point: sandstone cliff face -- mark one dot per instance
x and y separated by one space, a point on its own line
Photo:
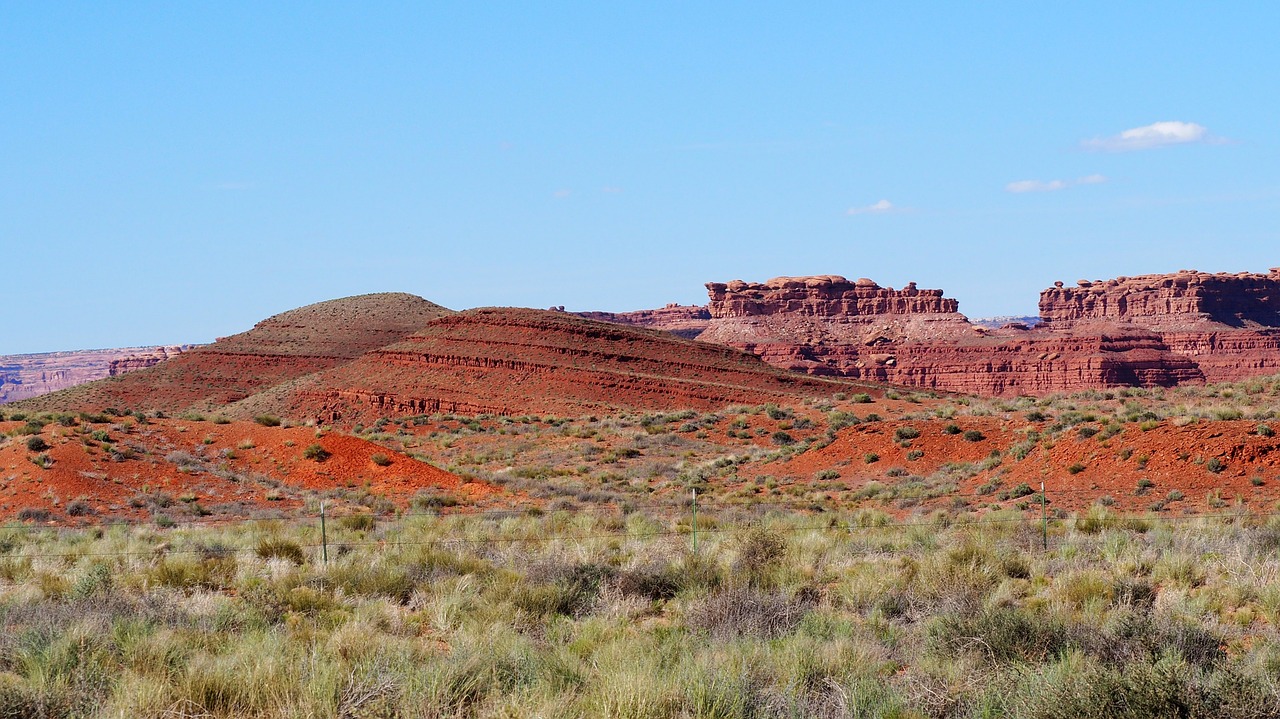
31 375
1242 300
822 296
1148 331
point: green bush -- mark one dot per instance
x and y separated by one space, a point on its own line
267 420
37 444
316 452
902 433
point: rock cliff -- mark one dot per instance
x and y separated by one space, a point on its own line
1182 300
1152 330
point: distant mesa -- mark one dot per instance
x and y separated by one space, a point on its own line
394 354
31 375
1150 330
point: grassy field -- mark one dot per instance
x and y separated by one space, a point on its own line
577 614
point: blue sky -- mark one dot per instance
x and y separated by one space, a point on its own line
172 172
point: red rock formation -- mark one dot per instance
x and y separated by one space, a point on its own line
1242 300
822 296
519 361
278 349
144 359
686 321
1154 330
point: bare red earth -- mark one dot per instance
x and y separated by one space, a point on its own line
232 470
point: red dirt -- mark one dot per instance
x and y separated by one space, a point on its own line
236 470
1176 458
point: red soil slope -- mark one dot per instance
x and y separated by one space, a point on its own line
278 349
186 469
1077 470
518 361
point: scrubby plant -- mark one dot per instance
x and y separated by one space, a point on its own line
267 420
316 452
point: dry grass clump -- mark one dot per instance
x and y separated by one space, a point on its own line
572 615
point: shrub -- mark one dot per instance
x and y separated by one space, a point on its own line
870 458
973 435
951 428
915 454
1264 430
280 549
745 612
782 438
827 474
79 508
902 433
316 452
1086 432
267 420
358 522
380 459
861 398
1215 465
34 514
999 634
36 444
1076 468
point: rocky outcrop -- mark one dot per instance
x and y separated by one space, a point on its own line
822 296
31 375
686 321
1152 330
144 359
1184 299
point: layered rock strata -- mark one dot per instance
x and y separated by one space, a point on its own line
520 361
1147 331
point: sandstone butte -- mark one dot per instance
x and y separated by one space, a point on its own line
361 358
1151 330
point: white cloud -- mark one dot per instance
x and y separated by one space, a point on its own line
1021 186
877 208
1157 134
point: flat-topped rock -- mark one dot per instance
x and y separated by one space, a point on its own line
822 296
1240 299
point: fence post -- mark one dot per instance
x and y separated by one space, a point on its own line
695 520
324 537
1044 516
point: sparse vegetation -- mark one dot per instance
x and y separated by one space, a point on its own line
530 617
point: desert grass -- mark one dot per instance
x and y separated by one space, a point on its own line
578 615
